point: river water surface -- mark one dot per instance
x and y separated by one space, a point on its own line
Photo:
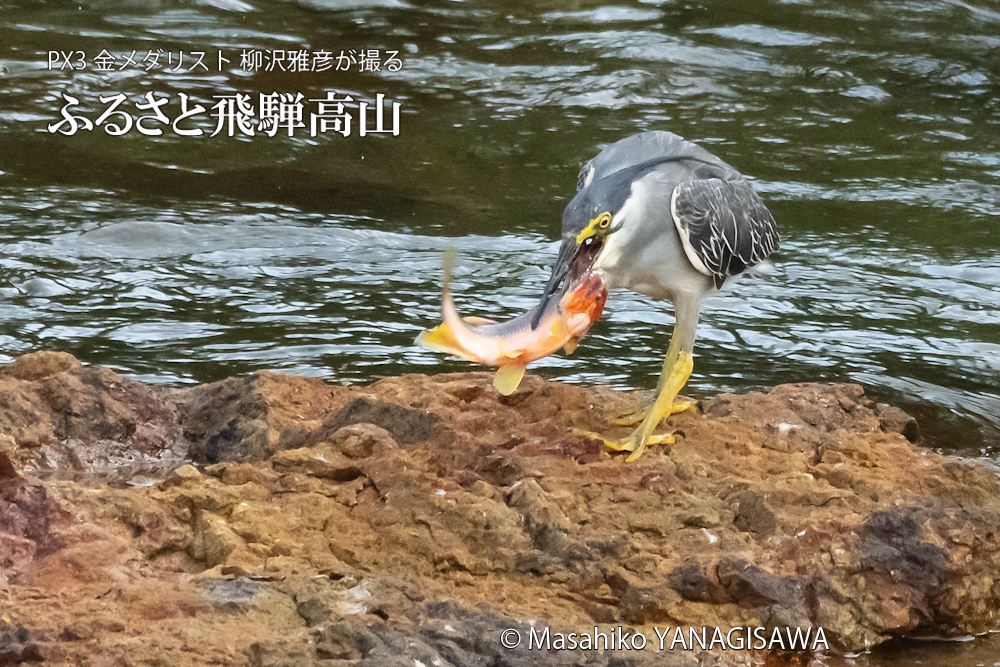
872 129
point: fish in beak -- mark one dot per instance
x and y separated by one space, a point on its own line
555 323
574 262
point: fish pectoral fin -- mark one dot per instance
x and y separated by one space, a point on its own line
570 346
478 320
508 378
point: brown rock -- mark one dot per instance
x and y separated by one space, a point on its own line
248 418
407 425
29 521
694 583
359 441
65 417
416 518
185 475
754 514
16 645
893 420
213 541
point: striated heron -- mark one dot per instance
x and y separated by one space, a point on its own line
663 217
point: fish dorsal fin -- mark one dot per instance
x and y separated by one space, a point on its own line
508 378
570 345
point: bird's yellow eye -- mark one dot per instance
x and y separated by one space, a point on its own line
603 221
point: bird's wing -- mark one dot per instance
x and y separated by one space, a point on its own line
724 226
645 148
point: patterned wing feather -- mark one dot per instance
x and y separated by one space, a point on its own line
724 226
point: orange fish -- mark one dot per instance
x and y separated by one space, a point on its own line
514 344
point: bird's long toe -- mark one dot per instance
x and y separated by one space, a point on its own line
637 450
637 413
634 444
630 415
682 404
625 445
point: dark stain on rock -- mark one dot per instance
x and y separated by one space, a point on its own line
892 543
693 583
753 514
29 518
407 426
16 646
753 586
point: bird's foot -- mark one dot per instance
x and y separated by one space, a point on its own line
630 415
634 444
635 414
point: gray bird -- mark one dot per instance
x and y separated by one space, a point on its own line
663 217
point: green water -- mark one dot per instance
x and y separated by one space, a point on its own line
871 128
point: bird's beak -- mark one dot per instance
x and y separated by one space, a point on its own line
574 261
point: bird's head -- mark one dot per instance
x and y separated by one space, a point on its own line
594 214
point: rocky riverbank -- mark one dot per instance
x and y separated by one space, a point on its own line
411 521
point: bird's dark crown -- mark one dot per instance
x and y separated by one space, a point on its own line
609 193
606 194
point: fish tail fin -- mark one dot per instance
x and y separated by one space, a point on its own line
508 378
449 315
440 339
446 265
